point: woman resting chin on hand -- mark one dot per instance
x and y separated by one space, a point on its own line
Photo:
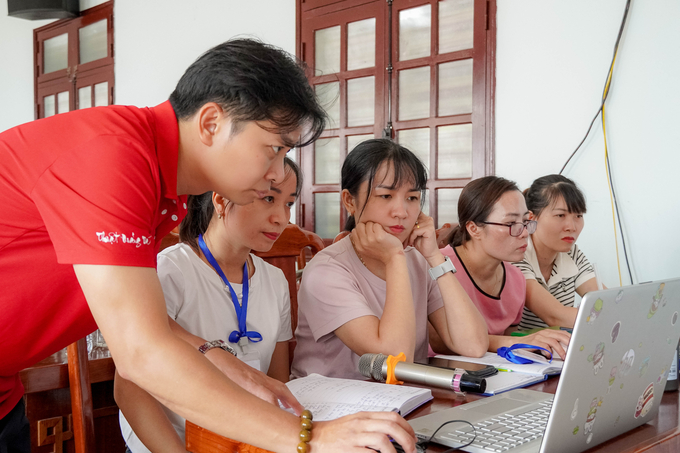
371 291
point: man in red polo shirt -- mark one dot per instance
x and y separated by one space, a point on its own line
88 197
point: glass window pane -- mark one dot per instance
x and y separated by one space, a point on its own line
456 19
327 161
455 87
328 95
447 206
327 214
101 94
327 50
48 102
418 141
414 93
85 97
354 140
55 53
454 151
414 32
361 44
360 101
62 102
93 42
426 203
85 4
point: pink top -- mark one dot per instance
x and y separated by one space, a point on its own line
499 312
337 288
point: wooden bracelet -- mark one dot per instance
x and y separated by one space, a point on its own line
305 432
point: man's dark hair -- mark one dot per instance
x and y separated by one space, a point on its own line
251 81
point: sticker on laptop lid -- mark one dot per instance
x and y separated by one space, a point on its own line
597 357
574 413
615 331
626 363
612 378
657 300
595 311
619 297
674 318
664 374
643 367
645 402
590 418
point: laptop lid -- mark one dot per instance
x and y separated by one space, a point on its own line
617 364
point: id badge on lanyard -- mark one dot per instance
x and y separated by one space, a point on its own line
242 336
250 356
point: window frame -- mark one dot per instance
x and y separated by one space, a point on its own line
97 71
312 15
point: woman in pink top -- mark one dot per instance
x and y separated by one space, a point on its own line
371 292
493 230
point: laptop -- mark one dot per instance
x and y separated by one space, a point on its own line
613 379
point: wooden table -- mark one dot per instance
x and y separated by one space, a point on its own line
662 435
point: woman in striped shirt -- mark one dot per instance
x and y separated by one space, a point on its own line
554 267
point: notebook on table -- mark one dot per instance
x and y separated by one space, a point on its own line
612 381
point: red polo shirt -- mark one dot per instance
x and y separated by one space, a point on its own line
95 186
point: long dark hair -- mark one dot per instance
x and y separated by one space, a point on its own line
252 81
200 208
365 160
476 202
548 189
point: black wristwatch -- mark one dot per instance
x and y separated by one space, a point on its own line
207 346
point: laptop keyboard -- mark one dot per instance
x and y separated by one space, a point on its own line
505 431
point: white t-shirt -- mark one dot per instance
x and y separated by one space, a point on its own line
200 302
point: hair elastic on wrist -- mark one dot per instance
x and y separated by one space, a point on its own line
305 431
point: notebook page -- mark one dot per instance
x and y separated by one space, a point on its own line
315 389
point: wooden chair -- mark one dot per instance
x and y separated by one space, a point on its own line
340 235
444 234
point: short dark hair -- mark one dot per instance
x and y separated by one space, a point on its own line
200 208
548 189
251 81
476 202
364 161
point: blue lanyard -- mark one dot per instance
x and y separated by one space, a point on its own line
241 310
507 353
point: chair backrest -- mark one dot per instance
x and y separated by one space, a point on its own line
340 235
81 396
284 255
444 234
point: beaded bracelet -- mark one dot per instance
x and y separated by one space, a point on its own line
305 432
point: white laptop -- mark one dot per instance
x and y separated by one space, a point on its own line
613 379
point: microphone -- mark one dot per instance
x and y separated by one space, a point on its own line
375 366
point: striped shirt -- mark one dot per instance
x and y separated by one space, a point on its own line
570 270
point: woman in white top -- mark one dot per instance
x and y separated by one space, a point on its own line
554 267
217 238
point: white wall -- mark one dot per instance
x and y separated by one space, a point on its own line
157 39
16 68
552 60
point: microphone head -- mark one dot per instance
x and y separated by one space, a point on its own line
371 366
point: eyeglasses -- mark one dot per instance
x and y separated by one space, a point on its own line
516 228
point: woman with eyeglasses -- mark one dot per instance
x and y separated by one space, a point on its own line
553 265
493 231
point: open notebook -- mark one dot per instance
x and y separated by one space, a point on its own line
331 398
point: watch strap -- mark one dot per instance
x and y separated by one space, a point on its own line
208 345
443 268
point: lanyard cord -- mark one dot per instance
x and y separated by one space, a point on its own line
242 309
507 353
